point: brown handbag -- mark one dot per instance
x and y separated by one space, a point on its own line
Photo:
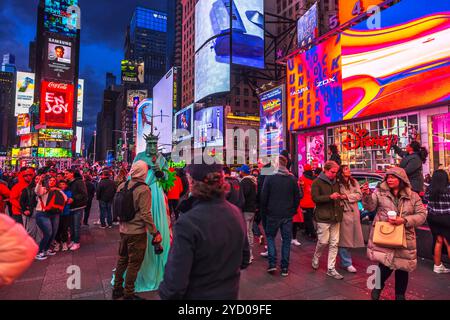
390 236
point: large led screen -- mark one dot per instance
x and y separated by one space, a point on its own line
80 100
212 19
132 71
54 153
57 103
135 97
144 114
404 64
271 113
314 86
163 111
350 9
184 120
24 92
212 69
57 18
248 33
55 135
23 124
208 128
59 64
79 143
308 27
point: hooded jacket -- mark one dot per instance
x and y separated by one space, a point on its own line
106 190
306 181
249 186
17 250
142 199
327 210
413 165
413 210
280 195
235 195
79 194
16 193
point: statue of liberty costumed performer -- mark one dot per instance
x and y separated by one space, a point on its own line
159 178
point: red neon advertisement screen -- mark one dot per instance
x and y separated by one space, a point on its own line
57 101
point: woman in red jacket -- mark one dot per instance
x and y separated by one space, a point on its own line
307 204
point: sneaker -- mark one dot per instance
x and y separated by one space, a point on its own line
41 256
272 270
133 297
71 244
284 272
441 269
57 247
334 274
117 294
97 223
315 264
296 243
50 253
251 260
375 294
102 227
110 227
75 247
116 223
264 254
65 247
351 269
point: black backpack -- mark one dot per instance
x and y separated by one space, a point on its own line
123 203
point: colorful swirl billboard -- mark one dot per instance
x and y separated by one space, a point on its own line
404 64
314 86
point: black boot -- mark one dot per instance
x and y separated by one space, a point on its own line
400 297
117 294
376 293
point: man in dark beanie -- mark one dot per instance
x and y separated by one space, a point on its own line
208 249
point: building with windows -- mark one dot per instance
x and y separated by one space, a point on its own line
7 120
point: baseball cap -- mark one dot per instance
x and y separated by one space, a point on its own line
245 168
307 167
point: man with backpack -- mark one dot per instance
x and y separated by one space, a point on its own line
133 204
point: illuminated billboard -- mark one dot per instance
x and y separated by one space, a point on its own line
163 93
24 92
144 114
57 104
80 100
404 64
271 140
132 71
350 9
54 153
79 143
212 20
308 27
23 124
184 120
55 135
135 97
29 140
58 19
208 127
314 86
59 65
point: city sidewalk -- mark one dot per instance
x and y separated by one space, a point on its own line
47 280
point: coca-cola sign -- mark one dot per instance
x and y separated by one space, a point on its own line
57 101
360 139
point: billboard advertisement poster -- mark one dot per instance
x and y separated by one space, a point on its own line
184 123
23 124
59 64
248 33
212 68
350 9
24 92
135 97
79 140
57 102
29 140
144 114
404 64
163 111
308 27
314 86
80 100
212 20
57 18
132 71
55 135
271 124
54 153
208 127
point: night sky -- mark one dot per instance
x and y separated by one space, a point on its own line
103 27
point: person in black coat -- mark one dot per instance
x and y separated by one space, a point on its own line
234 195
208 249
105 195
90 187
412 161
334 154
280 199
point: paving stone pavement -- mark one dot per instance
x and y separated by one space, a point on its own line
47 280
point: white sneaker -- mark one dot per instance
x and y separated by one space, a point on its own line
116 223
296 243
75 247
441 269
41 256
334 274
315 263
351 269
265 254
65 247
97 223
50 253
70 245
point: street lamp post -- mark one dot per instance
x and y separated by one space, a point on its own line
95 144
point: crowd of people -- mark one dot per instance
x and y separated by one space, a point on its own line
191 240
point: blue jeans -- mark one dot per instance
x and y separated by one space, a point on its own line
49 227
76 224
272 227
346 257
105 213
